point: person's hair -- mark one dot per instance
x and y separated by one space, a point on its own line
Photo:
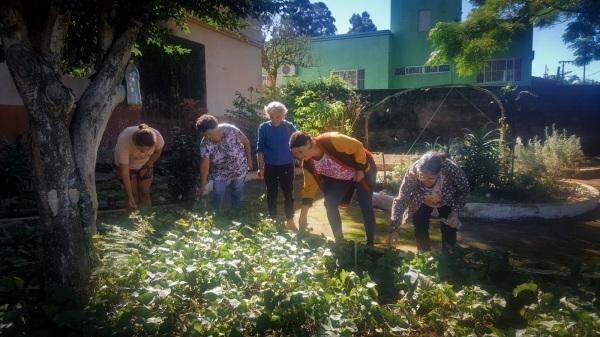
431 162
299 138
206 122
143 136
275 107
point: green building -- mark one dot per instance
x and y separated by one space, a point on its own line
395 58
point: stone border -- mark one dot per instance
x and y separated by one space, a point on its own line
516 211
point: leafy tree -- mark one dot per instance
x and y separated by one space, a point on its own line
361 23
42 41
284 47
493 24
310 19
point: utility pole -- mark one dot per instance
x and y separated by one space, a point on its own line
545 70
563 68
584 74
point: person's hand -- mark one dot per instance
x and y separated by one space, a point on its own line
249 165
260 173
359 175
392 237
131 204
303 222
200 190
453 220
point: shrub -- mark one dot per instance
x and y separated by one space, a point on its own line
247 113
327 104
549 158
480 158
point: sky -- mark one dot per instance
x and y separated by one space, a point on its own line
547 43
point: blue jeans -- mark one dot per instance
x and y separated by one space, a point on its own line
237 192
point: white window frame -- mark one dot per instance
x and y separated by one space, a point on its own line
510 74
354 81
420 70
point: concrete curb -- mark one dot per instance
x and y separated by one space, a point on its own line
516 211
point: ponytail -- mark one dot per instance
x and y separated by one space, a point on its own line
143 136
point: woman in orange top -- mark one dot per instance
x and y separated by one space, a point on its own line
337 164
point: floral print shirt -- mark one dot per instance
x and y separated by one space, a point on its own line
227 156
329 167
411 196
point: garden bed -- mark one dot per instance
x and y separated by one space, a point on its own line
180 274
583 199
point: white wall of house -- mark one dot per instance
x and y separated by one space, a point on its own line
232 63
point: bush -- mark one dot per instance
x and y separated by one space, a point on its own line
324 105
247 113
480 158
549 158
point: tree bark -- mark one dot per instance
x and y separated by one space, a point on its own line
65 141
91 116
49 104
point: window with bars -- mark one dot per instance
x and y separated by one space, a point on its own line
500 70
415 70
354 77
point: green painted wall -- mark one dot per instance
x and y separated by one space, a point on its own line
521 47
383 53
368 51
410 47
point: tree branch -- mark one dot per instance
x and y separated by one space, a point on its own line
13 29
55 34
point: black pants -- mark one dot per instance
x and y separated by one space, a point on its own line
338 191
280 176
421 223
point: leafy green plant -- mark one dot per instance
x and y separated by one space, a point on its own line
247 112
327 104
551 157
480 158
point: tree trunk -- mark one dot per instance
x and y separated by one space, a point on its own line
65 141
91 116
272 79
58 188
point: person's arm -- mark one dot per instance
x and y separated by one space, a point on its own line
460 181
349 145
203 174
154 158
355 148
246 142
260 158
406 193
126 179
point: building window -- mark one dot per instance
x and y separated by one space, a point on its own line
416 70
424 21
500 70
354 77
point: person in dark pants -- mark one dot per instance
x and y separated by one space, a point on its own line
275 161
433 181
338 165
